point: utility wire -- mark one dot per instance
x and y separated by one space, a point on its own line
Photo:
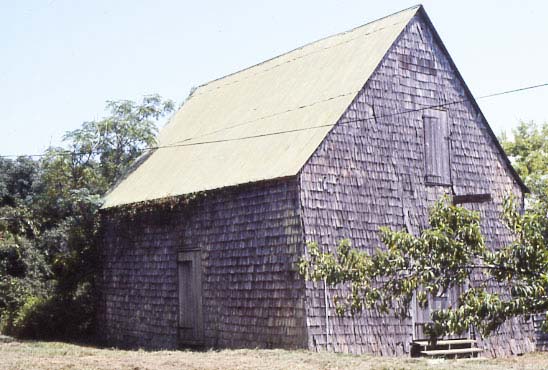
512 91
185 142
179 143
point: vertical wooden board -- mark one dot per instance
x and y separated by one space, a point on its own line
421 316
197 292
437 144
191 328
436 134
431 147
444 154
185 295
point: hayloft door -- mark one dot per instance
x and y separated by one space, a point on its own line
191 328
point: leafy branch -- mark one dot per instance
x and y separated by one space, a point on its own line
496 285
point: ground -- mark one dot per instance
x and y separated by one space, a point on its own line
56 355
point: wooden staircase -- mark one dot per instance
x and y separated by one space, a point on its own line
445 348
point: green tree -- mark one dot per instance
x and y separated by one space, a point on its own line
17 180
23 269
97 154
114 142
528 151
451 253
61 194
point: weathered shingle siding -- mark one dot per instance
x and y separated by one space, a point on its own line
250 237
370 172
138 286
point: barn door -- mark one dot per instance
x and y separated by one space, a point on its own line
439 301
191 328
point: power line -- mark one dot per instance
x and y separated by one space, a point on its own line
185 142
512 91
176 144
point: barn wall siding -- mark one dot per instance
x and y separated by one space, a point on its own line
250 238
138 283
370 172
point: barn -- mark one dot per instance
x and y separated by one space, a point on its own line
366 128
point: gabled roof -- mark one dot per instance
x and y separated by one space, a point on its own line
263 122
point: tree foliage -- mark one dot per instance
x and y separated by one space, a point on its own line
23 270
48 226
528 150
496 285
110 145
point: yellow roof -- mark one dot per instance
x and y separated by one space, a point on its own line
263 122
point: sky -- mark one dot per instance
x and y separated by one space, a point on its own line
61 60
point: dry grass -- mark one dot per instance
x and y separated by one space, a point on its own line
55 355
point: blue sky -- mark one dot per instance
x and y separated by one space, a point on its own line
61 60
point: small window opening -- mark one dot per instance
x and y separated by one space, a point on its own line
471 198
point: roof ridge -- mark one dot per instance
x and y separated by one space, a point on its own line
418 6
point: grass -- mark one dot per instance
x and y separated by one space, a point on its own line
56 355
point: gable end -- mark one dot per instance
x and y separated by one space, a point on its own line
422 13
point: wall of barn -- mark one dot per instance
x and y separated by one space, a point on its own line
250 238
370 172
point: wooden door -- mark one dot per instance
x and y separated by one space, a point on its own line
421 316
191 327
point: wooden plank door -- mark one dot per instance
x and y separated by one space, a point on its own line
421 316
191 327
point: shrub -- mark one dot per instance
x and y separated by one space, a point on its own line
53 317
23 274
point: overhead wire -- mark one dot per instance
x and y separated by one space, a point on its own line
185 142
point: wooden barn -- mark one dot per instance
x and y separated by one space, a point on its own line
332 140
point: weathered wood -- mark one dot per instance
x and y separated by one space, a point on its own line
448 352
373 169
445 342
436 147
471 198
191 325
440 301
249 238
540 336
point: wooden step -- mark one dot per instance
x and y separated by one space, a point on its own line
444 352
445 342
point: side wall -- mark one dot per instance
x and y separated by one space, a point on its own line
370 172
250 238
